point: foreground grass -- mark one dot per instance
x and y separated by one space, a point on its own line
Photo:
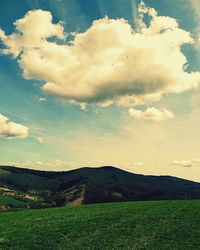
130 225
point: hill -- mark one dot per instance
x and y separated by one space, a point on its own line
91 185
4 199
128 225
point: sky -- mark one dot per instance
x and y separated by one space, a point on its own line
97 82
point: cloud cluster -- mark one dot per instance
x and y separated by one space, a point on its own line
54 165
108 63
11 130
186 163
151 114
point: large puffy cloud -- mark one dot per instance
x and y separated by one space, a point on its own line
108 63
11 130
151 114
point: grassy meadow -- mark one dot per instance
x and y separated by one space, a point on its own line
127 225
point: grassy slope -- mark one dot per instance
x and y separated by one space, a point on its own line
131 225
4 199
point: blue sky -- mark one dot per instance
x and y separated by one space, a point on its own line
62 135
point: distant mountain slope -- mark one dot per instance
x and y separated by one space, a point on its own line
91 185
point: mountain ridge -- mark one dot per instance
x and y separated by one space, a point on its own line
91 185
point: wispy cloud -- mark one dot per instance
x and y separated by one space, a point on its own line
40 140
42 99
195 7
186 163
54 165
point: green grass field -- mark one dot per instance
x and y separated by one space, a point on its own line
4 199
128 225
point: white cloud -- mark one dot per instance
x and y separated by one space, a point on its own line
186 163
151 114
40 140
137 164
82 106
42 99
108 63
194 6
11 130
54 165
